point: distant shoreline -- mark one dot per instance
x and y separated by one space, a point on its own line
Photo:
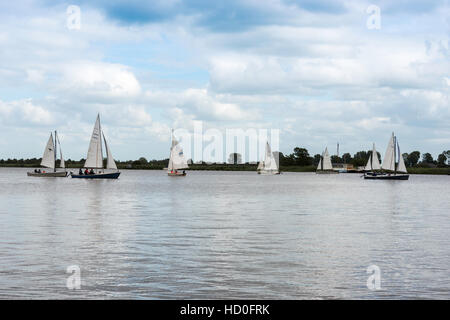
245 167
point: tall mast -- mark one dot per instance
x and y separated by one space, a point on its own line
395 155
371 158
321 162
55 150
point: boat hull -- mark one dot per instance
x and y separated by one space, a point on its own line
386 177
268 173
113 175
58 174
178 174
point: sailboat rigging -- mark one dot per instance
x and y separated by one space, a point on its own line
325 165
49 160
373 163
393 166
94 158
269 164
177 161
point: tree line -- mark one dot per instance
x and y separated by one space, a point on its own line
300 158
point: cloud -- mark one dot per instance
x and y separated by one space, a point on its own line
23 112
99 80
310 68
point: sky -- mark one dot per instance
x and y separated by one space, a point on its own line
320 71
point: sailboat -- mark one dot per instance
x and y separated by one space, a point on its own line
269 164
393 168
94 158
325 165
49 160
373 163
177 160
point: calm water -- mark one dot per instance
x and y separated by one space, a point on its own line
224 235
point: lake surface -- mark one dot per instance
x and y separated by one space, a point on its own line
220 235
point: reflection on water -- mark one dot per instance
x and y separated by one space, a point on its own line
224 235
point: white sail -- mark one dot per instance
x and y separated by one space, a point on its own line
95 155
260 165
401 163
110 163
389 157
319 166
327 161
376 161
48 159
62 164
270 163
368 166
177 160
373 163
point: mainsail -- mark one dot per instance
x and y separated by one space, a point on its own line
48 159
325 161
177 160
95 156
110 163
390 158
373 163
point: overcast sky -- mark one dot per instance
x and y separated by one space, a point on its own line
312 69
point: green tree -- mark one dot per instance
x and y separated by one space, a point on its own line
302 157
336 159
316 159
360 158
346 158
427 158
413 158
143 161
442 160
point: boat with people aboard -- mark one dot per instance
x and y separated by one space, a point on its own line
177 161
269 165
94 160
49 160
393 167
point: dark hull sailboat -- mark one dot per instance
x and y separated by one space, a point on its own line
372 176
113 175
94 158
393 164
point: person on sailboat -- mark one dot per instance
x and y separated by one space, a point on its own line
80 172
92 171
86 171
